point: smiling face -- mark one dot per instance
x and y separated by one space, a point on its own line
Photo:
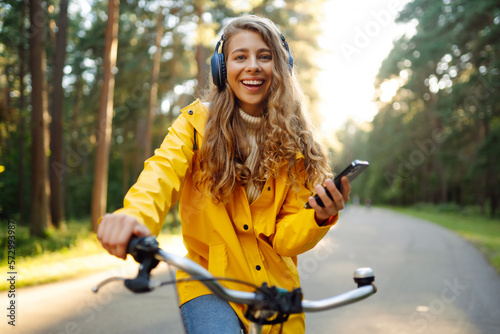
249 66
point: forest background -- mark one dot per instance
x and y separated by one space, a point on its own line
86 96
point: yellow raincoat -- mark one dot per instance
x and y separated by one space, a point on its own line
256 242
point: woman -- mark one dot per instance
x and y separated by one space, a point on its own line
242 164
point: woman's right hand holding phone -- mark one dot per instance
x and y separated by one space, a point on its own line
331 205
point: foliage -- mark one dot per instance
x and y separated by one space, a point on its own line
190 28
436 136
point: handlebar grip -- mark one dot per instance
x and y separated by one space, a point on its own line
132 244
143 247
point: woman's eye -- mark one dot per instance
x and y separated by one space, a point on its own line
266 57
240 57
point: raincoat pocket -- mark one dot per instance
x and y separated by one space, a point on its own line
217 261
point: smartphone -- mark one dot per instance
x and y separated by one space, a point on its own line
351 171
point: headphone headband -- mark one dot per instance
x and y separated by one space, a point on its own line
218 63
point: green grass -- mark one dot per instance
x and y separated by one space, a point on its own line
71 251
71 234
482 232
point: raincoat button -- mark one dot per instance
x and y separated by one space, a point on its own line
257 267
190 112
245 227
269 188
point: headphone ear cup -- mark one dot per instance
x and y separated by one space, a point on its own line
222 70
218 68
215 69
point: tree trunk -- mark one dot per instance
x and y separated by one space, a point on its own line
100 188
491 179
442 195
40 191
140 137
22 107
154 87
127 158
201 51
6 114
56 125
493 203
75 118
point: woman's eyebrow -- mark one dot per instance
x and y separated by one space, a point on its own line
246 50
240 50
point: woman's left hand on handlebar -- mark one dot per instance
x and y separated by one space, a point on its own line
332 207
115 231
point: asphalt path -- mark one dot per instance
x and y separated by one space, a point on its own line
429 281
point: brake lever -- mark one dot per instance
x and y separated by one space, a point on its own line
143 250
96 288
141 282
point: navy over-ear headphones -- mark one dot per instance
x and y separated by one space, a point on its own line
219 65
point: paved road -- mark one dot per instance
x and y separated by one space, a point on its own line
430 281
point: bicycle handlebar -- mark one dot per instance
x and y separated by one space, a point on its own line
147 252
195 270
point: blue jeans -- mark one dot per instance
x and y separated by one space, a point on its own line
209 314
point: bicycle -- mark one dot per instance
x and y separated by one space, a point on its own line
266 305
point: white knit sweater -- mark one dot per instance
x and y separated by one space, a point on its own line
253 126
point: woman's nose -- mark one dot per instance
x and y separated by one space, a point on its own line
253 64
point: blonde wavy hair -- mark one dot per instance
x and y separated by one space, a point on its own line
286 129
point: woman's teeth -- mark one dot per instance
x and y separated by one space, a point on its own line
253 82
